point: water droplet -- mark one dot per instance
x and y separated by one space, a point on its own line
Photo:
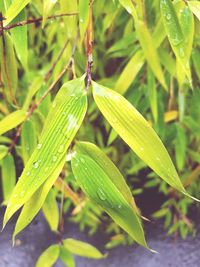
181 52
39 146
157 158
28 173
142 148
22 193
27 148
54 158
101 194
82 160
54 104
168 16
61 149
36 165
119 206
81 20
176 40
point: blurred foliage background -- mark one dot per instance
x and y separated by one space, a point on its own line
136 61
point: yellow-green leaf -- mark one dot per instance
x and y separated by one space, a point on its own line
83 16
66 257
63 121
82 249
3 151
128 5
48 257
137 133
14 9
47 7
12 120
195 8
101 189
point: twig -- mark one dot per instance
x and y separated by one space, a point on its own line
89 49
36 20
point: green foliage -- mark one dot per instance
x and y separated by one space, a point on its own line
148 53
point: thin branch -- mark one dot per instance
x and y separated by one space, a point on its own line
89 49
36 20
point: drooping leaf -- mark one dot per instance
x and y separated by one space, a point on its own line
50 210
66 257
8 176
12 120
59 130
150 51
82 249
102 190
28 140
137 133
8 66
14 9
48 257
175 34
34 204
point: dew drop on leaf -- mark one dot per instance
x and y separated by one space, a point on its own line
36 165
61 149
101 194
39 146
28 173
54 158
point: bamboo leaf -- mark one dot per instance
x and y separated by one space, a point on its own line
137 133
175 34
12 120
152 95
8 176
109 168
63 121
28 140
150 51
50 210
82 249
67 257
34 204
101 189
14 9
195 8
83 16
128 5
47 8
48 257
8 66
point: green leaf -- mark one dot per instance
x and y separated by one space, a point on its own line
50 210
128 5
34 204
12 120
175 34
48 257
195 8
152 94
83 16
28 140
8 176
14 9
150 51
180 147
8 66
82 249
109 168
67 257
47 8
3 151
62 123
102 190
137 133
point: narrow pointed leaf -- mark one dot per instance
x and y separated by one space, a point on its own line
34 204
137 133
83 16
12 120
175 34
8 176
66 257
82 249
98 186
129 6
150 51
3 151
47 7
48 257
14 9
109 168
195 8
63 121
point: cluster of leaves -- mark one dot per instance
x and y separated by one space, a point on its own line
147 51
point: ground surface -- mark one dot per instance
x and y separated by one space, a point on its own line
37 237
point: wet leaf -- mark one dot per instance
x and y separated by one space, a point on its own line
104 191
48 257
137 133
63 121
12 120
82 249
